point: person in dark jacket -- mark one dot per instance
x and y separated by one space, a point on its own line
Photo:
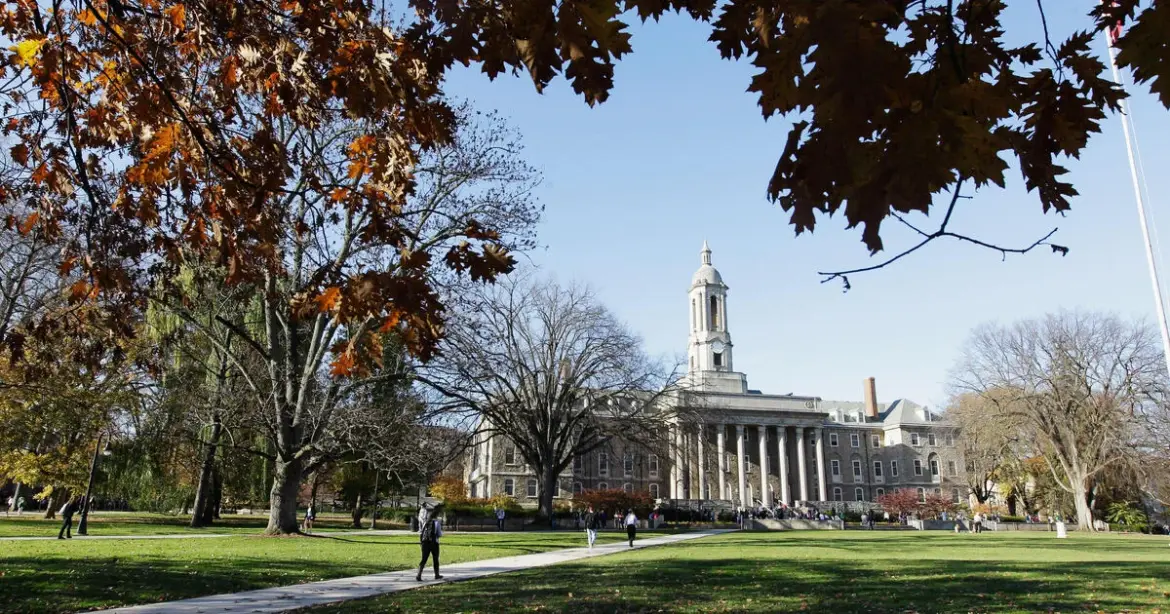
591 524
430 529
67 511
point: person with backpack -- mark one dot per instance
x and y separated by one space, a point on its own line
591 524
71 506
429 531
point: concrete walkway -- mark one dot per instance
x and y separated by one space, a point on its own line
205 535
284 598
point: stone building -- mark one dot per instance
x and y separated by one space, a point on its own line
740 447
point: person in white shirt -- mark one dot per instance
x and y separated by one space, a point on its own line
500 518
631 526
429 531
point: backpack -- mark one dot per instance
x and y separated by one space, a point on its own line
427 532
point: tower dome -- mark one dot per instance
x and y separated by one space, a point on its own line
706 274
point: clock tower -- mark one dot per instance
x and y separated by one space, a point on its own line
710 350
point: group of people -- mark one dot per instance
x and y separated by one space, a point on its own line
15 503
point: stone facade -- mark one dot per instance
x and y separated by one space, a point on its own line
747 448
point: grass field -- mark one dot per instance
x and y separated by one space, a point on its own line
67 576
138 523
850 571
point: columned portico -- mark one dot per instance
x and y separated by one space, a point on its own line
800 463
702 436
764 499
822 491
721 448
741 451
782 438
676 469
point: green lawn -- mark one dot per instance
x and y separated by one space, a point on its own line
66 576
850 571
136 523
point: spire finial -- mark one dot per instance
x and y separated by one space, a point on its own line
706 253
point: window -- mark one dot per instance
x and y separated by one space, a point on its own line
531 488
718 358
917 467
858 494
577 488
628 465
715 316
894 468
855 440
654 490
837 494
958 498
578 465
875 441
934 467
857 469
879 492
952 470
914 439
938 491
694 316
603 464
654 467
950 439
510 455
877 469
510 487
833 439
628 487
922 495
930 440
836 465
602 486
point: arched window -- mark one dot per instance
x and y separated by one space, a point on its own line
858 494
694 316
653 462
628 487
510 487
879 492
837 494
603 464
654 490
628 465
922 495
604 486
531 488
715 313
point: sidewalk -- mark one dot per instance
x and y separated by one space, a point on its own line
280 599
205 535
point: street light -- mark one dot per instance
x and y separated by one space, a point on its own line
98 450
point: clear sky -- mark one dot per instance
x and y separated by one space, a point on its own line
680 153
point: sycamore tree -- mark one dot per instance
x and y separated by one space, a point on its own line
551 369
1078 384
989 439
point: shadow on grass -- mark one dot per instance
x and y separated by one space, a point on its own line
737 585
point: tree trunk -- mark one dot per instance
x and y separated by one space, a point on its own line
1011 503
200 517
374 511
216 495
15 498
282 509
357 512
1084 513
51 510
548 487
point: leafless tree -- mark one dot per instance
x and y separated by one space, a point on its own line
987 437
1077 383
551 369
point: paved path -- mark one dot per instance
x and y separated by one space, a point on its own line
204 535
284 598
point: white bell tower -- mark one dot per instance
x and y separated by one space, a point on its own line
710 350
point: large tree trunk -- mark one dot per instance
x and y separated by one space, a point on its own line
15 498
1011 503
216 501
282 509
548 488
356 513
200 517
1084 512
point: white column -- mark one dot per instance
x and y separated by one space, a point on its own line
490 450
721 446
677 465
821 486
764 465
741 452
800 463
702 435
782 437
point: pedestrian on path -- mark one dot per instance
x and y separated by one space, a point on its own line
310 516
429 532
631 526
67 512
591 527
500 518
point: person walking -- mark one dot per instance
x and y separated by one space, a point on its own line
500 518
429 532
591 524
631 526
310 516
67 512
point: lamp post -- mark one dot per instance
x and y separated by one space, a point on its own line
97 451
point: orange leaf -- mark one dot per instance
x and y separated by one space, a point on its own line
20 154
329 299
177 15
343 365
339 194
29 222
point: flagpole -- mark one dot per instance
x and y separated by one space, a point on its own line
1141 206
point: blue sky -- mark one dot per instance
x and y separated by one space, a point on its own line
680 153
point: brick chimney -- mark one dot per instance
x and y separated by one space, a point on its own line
871 408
